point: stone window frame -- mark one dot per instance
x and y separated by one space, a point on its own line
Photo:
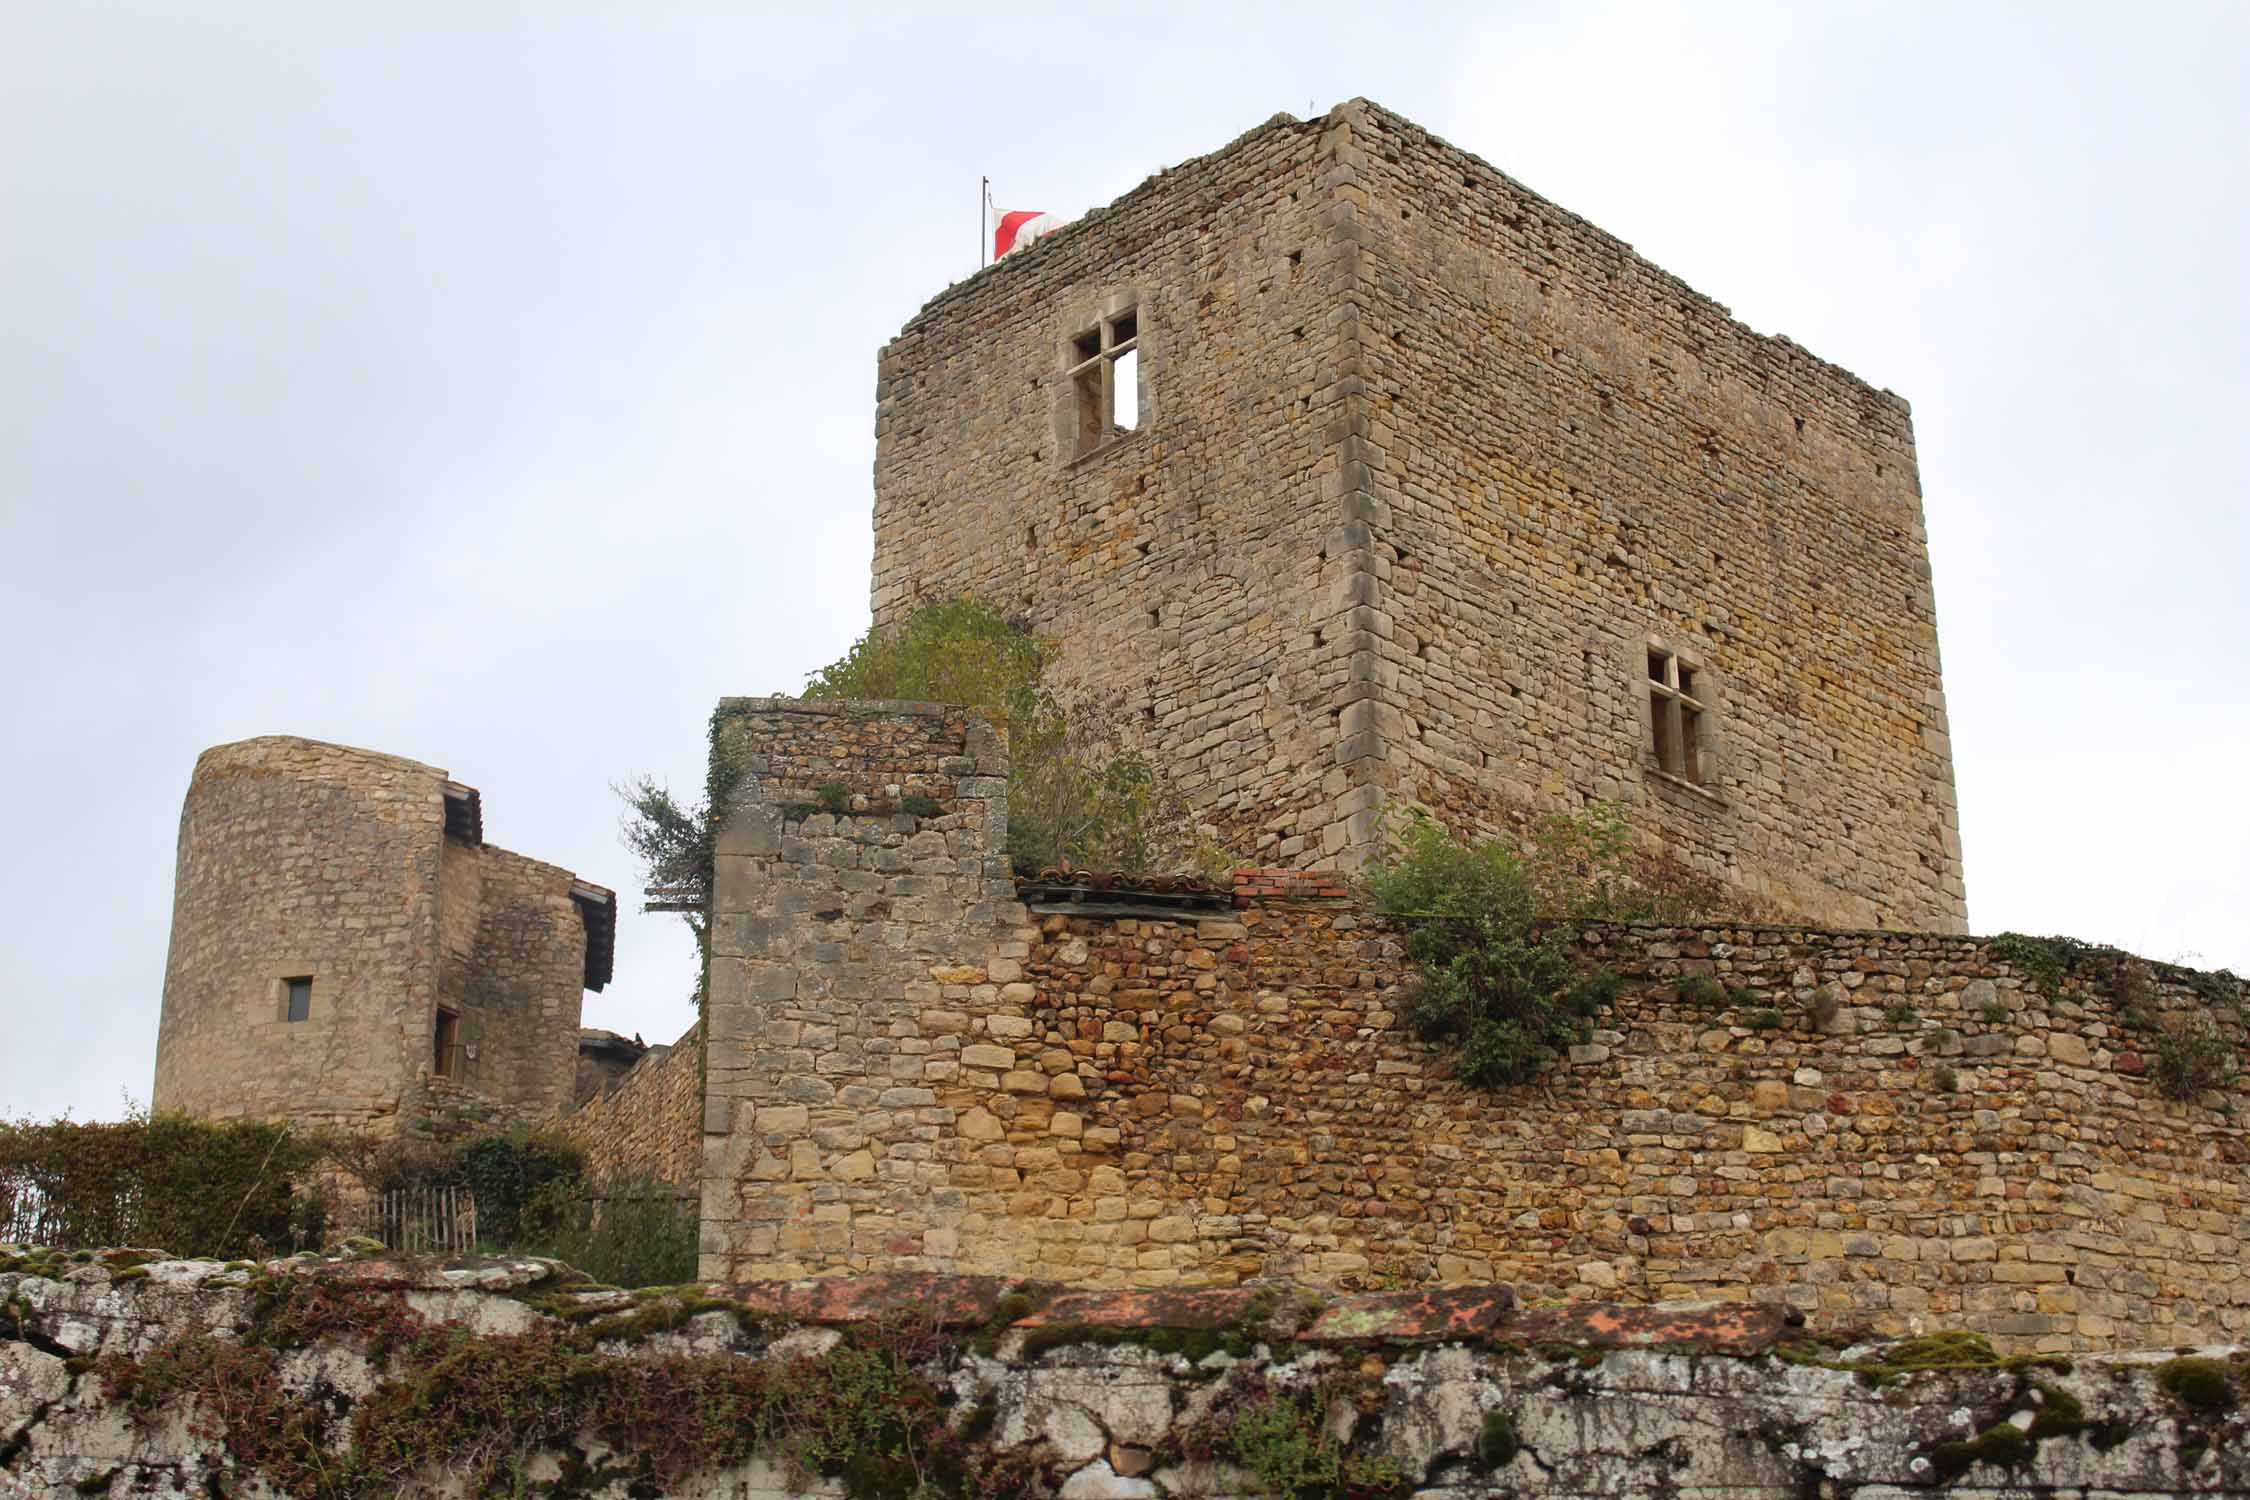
1087 355
1672 678
279 980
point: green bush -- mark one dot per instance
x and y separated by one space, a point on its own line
626 1230
521 1180
224 1189
949 651
534 1197
2198 1056
1077 798
1496 976
1282 1438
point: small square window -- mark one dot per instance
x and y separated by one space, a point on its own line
299 998
1676 713
1103 367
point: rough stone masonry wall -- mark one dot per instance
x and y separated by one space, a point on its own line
1185 571
516 980
830 935
1572 452
651 1123
909 1070
1692 1405
1249 1106
300 858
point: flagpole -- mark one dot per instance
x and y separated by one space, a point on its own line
984 203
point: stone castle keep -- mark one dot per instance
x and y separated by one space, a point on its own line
1427 490
1347 475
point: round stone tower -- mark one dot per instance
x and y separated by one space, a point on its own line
301 979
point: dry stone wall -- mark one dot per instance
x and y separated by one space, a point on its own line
178 1379
650 1124
1427 464
1893 1130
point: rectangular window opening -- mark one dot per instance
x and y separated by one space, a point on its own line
1103 366
1676 716
448 1034
1126 377
300 998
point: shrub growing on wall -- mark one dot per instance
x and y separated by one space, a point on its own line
225 1189
2200 1055
1076 797
1486 929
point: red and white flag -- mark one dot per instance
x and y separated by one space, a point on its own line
1019 227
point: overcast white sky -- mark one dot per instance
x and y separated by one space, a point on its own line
494 385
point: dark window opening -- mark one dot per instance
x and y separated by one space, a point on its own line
448 1036
300 998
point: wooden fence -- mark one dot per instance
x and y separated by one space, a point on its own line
421 1220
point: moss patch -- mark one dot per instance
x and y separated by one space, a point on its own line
2201 1385
1191 1344
1497 1443
2005 1444
1956 1350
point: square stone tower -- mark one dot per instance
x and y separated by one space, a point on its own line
1348 473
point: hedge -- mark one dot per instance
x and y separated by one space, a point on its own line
225 1189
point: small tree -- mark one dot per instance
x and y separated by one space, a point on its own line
1076 796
